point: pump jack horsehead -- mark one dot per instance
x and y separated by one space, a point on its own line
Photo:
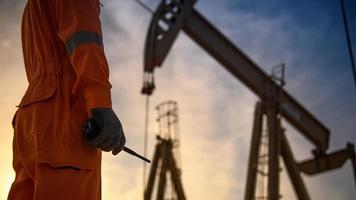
276 103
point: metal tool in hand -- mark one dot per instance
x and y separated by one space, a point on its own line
91 130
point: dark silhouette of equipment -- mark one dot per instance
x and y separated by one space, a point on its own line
91 129
174 15
275 102
323 163
164 164
266 163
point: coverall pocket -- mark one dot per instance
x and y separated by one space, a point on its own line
56 182
37 106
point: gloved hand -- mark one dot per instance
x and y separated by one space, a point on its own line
111 137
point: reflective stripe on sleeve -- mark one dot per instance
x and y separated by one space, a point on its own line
82 37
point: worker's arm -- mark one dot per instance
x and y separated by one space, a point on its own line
80 29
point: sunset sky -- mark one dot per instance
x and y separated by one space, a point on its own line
216 110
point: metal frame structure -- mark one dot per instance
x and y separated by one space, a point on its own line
164 160
278 145
175 15
334 160
276 103
164 156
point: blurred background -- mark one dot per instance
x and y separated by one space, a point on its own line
216 111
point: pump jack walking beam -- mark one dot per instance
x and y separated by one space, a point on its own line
174 15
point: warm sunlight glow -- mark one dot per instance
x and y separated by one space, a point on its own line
6 181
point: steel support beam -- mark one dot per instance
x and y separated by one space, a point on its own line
273 152
254 150
175 175
292 168
152 176
162 174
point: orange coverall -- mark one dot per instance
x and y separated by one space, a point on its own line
68 75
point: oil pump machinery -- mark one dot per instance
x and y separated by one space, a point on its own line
173 16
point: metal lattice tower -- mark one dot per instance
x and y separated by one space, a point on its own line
167 119
168 125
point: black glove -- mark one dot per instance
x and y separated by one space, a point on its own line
111 137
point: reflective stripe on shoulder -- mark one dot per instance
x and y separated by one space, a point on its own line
82 37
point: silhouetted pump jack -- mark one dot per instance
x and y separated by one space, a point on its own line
276 103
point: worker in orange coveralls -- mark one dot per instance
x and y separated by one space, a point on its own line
68 79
